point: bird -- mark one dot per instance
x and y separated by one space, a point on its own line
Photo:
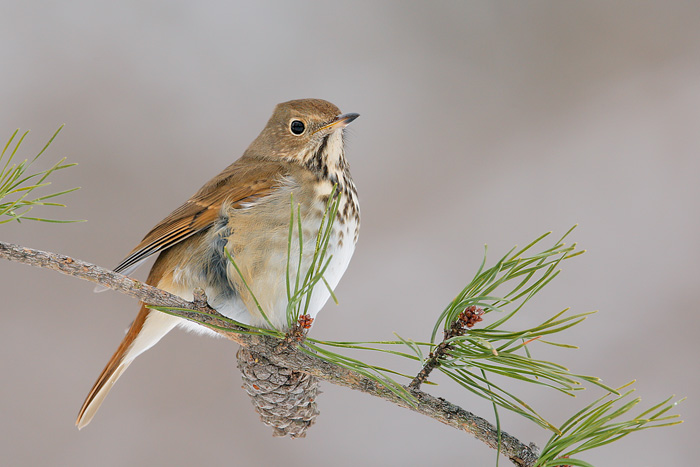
297 162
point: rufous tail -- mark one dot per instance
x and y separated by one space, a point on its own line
146 330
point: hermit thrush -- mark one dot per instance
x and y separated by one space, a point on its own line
245 209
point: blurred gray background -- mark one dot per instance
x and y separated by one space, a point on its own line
482 122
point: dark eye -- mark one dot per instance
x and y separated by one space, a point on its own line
297 127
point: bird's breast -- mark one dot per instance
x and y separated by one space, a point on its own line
267 264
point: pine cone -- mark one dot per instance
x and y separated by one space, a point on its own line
284 398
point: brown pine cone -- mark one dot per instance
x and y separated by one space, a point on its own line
284 398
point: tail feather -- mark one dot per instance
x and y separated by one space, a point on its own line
98 393
146 330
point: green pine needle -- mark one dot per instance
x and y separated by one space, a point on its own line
16 186
598 424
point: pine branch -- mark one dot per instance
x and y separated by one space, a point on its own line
437 408
465 357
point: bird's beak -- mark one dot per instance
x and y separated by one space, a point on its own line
341 121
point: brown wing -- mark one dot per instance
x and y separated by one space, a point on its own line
244 181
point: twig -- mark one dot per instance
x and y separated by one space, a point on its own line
467 319
430 364
436 408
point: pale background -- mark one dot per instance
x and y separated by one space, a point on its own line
482 122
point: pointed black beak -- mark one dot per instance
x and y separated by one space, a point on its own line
345 119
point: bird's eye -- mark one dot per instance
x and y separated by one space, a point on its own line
297 127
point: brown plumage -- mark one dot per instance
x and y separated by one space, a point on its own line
245 209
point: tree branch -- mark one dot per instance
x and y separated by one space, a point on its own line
436 408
